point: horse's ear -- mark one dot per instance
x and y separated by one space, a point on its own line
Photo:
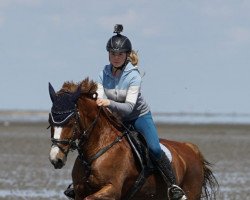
52 93
77 94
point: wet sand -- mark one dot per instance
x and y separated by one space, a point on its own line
26 173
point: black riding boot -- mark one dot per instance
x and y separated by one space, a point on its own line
164 166
69 192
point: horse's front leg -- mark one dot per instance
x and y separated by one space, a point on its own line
108 192
79 183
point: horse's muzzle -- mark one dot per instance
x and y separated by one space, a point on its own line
58 164
57 157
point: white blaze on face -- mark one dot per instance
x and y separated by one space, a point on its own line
54 149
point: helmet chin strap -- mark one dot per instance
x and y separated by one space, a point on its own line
120 67
115 69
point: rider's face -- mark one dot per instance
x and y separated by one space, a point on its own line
117 59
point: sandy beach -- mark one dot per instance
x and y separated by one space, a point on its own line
26 173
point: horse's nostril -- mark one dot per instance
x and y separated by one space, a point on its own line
58 164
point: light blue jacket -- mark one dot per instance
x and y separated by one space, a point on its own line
123 92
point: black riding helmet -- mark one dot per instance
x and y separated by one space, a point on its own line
119 43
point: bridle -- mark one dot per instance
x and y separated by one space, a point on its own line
74 142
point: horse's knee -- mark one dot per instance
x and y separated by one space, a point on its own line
92 197
89 198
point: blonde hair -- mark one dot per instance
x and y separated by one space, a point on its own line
133 58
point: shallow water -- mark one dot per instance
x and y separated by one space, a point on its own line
26 173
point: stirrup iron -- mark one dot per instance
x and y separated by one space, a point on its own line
69 192
176 193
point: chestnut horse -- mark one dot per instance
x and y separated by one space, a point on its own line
106 167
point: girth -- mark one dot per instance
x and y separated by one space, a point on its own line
141 152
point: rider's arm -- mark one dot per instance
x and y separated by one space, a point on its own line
100 91
127 107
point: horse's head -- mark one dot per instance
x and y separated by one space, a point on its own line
63 122
72 116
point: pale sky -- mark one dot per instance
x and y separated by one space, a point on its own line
196 54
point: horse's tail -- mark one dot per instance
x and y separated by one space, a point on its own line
210 185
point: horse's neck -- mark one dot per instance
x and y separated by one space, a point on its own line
102 133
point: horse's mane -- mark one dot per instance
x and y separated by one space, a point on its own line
90 87
87 86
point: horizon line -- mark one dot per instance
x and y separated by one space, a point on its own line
164 113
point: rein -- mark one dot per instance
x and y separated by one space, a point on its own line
81 156
106 148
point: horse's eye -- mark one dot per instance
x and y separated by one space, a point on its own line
70 123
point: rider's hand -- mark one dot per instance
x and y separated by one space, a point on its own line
103 102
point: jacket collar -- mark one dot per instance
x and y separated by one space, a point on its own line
129 67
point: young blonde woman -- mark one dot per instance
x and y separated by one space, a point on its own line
119 89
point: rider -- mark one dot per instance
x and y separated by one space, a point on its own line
119 89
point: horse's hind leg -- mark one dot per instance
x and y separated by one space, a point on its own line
193 179
193 187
